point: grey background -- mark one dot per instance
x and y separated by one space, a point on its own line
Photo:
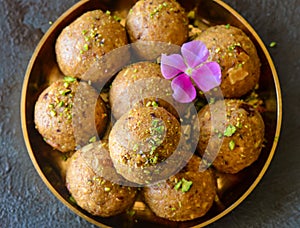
25 200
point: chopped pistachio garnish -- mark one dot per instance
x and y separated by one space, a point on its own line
60 104
72 200
108 12
64 92
218 50
154 104
118 19
220 135
135 147
64 157
106 189
84 32
273 44
93 139
231 145
230 130
154 160
53 113
85 47
239 125
227 26
69 117
178 185
231 47
69 79
131 213
66 84
148 104
157 9
186 185
191 15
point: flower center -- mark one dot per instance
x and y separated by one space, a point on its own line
189 71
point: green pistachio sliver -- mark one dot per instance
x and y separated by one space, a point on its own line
64 92
186 185
178 185
72 200
53 113
231 145
69 116
154 104
230 130
131 213
135 147
60 104
84 32
118 19
227 26
154 161
239 125
93 139
51 106
85 47
106 189
273 44
220 135
64 157
69 79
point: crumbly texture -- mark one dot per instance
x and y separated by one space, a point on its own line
93 182
235 140
142 139
129 88
81 46
169 201
69 114
237 56
157 20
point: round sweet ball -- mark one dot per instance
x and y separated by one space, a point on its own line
83 48
141 84
141 142
233 141
237 56
94 184
185 196
157 20
68 114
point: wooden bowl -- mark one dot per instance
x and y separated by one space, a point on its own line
232 189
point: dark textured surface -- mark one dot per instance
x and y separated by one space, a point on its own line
25 200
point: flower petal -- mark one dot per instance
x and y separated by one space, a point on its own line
208 76
184 91
194 53
172 65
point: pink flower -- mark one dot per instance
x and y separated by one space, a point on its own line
190 68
